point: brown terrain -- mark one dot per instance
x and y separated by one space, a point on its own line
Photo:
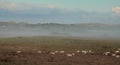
58 51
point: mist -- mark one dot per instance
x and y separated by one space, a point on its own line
88 30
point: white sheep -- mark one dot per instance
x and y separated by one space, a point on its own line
73 54
18 51
117 56
117 51
62 51
69 55
107 53
84 52
53 53
78 51
39 51
89 51
56 51
113 55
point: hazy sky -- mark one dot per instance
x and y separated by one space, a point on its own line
60 11
88 5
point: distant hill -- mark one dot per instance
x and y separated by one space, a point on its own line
57 25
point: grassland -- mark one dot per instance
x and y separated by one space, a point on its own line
30 45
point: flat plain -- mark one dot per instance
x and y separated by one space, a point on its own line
48 50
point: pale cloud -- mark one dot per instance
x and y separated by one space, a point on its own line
13 6
51 6
116 9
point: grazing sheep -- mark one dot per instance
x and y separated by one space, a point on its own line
106 53
78 51
117 51
39 52
84 52
89 51
117 56
56 51
113 55
73 54
62 51
69 55
53 53
18 51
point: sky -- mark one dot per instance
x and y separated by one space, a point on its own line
60 11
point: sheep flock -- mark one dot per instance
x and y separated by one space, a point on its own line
115 53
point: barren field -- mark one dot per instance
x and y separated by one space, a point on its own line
58 51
